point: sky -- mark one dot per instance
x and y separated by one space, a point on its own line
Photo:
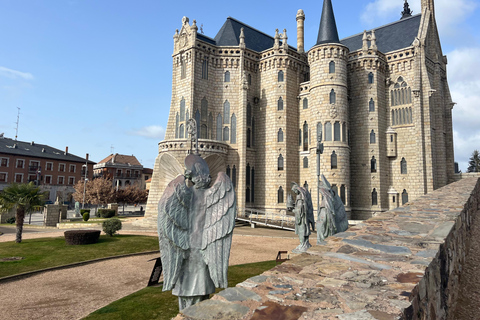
95 75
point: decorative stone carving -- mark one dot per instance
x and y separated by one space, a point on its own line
332 217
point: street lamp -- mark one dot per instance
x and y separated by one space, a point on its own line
85 167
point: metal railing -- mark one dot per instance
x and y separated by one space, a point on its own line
269 219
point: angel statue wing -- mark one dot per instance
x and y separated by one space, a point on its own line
219 223
173 226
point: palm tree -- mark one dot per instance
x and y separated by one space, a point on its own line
24 198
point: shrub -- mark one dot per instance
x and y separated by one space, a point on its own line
111 226
106 213
10 220
86 216
82 211
75 237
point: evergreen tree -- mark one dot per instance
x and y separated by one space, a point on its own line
474 162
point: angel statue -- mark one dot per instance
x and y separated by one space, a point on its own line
303 210
332 217
195 226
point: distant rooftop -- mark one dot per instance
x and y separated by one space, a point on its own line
121 159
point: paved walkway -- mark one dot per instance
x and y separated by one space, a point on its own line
76 292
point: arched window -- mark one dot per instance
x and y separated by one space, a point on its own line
182 109
176 126
403 166
300 137
305 136
319 131
234 176
371 105
247 174
249 114
280 76
280 195
210 126
370 77
336 131
280 104
305 103
373 164
205 69
228 171
253 185
328 131
374 197
404 196
247 194
219 127
333 160
331 67
372 136
233 136
226 112
249 79
343 194
280 135
226 132
227 76
333 97
204 109
249 137
181 131
204 132
305 162
393 118
280 162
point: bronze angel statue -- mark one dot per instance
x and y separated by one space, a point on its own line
195 226
303 210
332 217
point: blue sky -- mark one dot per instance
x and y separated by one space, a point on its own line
96 74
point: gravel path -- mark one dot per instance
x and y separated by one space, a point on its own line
76 292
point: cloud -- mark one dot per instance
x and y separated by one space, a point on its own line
14 74
153 132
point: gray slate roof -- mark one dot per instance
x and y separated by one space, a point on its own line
36 151
394 36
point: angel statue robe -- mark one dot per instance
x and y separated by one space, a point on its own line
195 226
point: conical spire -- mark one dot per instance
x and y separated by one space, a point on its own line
328 28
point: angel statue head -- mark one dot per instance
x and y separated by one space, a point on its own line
197 171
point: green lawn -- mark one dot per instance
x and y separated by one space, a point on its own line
50 252
152 303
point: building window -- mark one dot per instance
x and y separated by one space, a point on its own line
205 69
280 76
374 197
228 172
32 178
48 180
177 120
233 136
204 132
305 162
328 131
71 180
20 163
219 127
403 166
247 195
210 126
226 112
305 136
249 79
344 132
280 135
72 168
3 177
61 180
227 76
343 194
299 137
249 137
225 134
204 109
371 105
280 104
280 162
280 195
373 164
404 196
305 103
370 77
319 131
49 166
336 131
181 131
61 167
19 177
333 160
372 136
333 97
253 185
247 174
182 109
3 162
331 67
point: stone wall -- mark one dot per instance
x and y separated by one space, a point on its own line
402 264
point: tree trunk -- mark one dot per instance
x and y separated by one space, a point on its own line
20 217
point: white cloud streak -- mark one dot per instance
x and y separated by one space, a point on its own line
153 132
14 74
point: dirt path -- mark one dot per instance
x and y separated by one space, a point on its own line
76 292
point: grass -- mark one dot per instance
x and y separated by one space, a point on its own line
152 303
50 252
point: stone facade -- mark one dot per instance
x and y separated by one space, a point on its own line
385 117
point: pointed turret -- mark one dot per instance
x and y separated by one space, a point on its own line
328 28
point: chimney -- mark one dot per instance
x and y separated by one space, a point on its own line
86 157
300 31
66 150
33 143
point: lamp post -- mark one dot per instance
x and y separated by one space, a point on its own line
319 152
85 166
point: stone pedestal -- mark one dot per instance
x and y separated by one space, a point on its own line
113 206
52 214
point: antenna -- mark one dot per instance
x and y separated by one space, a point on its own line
111 149
18 120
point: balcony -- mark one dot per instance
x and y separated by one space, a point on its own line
33 168
126 176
